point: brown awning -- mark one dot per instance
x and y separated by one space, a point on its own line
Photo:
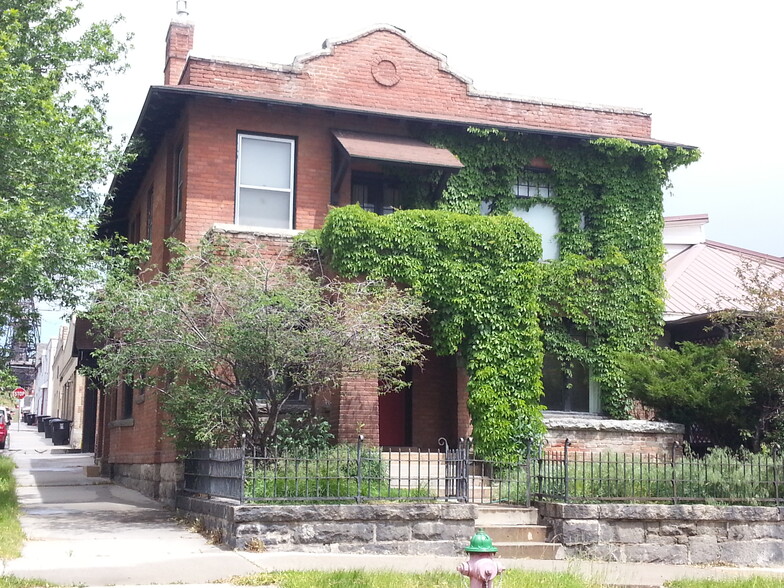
395 149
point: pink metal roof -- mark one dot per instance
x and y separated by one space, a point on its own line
704 278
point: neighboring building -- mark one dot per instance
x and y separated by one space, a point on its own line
42 403
266 150
61 396
74 396
701 276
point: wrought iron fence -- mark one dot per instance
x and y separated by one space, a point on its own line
215 472
556 473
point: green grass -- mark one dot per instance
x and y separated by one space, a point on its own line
509 579
362 579
11 535
755 582
14 582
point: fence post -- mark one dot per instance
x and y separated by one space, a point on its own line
775 453
242 475
566 469
528 474
674 478
464 465
360 439
541 466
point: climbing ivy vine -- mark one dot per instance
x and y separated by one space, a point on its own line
493 301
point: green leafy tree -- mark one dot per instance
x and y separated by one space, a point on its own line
8 382
695 384
755 326
54 147
227 338
735 390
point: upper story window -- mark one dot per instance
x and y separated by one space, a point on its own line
179 179
265 182
148 232
541 216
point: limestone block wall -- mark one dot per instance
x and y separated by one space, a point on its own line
160 481
438 529
671 534
594 434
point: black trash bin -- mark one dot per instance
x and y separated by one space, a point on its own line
48 422
41 421
31 419
61 431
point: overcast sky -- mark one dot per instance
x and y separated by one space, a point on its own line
710 73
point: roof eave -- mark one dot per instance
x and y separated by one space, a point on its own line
151 128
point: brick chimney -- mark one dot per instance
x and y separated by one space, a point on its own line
179 42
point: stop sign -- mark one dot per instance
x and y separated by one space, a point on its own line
19 393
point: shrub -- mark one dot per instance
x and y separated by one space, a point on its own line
328 475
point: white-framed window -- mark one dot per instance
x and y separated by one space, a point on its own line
572 390
540 216
265 182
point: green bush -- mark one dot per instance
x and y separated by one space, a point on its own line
328 475
722 476
695 384
302 434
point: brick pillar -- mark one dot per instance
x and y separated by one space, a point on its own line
179 42
356 409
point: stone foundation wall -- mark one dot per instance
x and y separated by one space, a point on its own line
438 529
160 481
687 534
589 434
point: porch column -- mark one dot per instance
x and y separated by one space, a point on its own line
356 405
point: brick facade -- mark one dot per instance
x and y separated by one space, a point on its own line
378 82
383 72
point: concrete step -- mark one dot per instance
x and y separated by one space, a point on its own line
517 533
488 515
547 551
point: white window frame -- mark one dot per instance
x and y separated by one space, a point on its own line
526 188
594 394
240 186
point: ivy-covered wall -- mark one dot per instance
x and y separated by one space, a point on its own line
493 301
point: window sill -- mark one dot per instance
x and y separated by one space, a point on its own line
121 423
248 229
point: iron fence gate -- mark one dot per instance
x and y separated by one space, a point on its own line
456 469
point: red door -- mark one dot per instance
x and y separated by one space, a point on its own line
394 418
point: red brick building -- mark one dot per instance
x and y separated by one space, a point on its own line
265 151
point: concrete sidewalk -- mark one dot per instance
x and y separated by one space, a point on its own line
87 531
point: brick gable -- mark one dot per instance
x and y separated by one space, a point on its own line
383 72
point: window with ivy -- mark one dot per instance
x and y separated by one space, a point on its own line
532 190
568 388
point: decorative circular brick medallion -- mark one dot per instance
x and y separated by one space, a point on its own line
385 73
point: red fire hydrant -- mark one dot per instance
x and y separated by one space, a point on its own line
481 566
